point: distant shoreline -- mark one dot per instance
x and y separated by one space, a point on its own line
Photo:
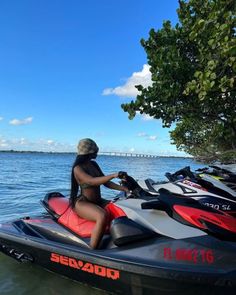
33 152
73 153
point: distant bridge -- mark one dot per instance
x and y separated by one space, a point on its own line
124 154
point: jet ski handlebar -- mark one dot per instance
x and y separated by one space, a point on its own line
202 170
122 175
135 189
128 181
180 174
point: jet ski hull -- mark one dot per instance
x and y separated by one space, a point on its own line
145 267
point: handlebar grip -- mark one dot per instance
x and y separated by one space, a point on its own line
122 174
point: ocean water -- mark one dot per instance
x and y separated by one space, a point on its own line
24 180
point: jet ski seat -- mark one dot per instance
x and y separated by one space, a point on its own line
58 206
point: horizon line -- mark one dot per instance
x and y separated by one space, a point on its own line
117 154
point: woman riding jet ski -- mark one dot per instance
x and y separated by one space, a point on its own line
200 186
151 246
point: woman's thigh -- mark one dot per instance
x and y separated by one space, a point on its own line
89 211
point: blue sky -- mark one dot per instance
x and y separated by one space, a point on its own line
67 66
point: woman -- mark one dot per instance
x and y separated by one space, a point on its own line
87 174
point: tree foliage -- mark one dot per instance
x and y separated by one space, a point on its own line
193 68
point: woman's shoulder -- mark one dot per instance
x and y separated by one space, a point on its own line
92 168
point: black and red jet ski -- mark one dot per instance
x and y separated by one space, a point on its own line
152 245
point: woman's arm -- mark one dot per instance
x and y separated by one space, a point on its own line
83 177
115 186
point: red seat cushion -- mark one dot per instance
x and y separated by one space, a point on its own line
114 211
80 226
59 205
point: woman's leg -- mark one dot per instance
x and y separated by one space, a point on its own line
95 213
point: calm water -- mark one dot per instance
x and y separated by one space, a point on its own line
26 178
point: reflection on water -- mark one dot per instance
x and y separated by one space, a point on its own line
21 279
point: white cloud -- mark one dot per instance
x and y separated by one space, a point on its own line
146 117
45 145
1 118
152 137
128 89
18 122
49 145
3 143
147 136
50 142
142 134
22 141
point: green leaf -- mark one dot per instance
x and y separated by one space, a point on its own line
213 76
223 27
201 22
197 74
212 83
192 35
211 41
231 82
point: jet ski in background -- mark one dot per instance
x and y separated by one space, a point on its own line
202 187
220 173
153 245
207 180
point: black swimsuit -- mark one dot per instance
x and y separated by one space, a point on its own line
95 171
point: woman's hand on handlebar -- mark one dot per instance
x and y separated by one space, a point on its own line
122 175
